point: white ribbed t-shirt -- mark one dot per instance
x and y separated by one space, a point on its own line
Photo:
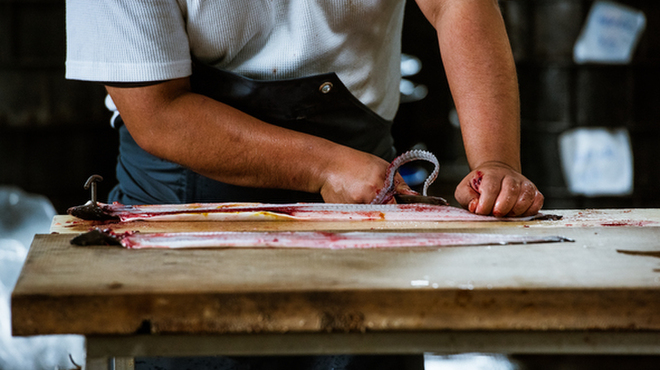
151 40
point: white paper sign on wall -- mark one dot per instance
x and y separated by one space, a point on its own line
597 161
610 34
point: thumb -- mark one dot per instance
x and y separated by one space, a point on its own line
468 192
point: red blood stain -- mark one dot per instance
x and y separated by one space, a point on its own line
476 182
615 224
628 223
330 236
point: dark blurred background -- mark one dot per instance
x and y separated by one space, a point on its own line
55 133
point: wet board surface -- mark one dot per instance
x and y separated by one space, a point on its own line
608 279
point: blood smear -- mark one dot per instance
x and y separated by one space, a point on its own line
324 240
476 182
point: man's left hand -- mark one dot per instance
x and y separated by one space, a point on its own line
496 188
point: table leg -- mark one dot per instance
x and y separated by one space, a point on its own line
122 363
111 363
98 363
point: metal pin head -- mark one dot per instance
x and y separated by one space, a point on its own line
92 180
326 87
91 183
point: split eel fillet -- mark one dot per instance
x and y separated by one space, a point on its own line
313 239
291 212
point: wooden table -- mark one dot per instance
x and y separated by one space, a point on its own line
599 294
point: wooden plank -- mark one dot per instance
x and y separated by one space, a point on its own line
518 342
571 218
584 285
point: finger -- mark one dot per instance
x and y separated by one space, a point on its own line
466 197
526 198
536 206
465 192
508 197
490 189
401 187
406 190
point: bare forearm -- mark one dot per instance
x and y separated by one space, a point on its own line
227 145
482 77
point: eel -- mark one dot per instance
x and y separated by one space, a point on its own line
292 212
304 239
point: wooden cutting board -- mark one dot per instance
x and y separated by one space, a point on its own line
608 279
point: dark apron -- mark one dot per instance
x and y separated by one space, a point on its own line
319 105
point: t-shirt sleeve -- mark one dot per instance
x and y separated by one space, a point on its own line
126 41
